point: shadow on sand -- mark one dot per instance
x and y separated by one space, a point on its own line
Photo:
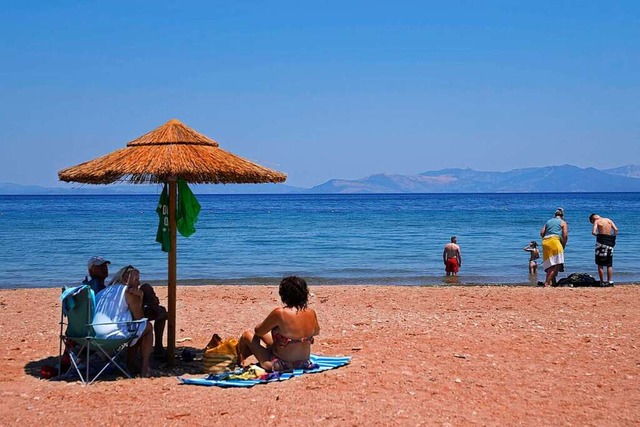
47 368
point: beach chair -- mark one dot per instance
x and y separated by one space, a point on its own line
85 348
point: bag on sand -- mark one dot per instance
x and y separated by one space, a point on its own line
220 355
576 280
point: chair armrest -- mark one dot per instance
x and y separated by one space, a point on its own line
133 326
144 319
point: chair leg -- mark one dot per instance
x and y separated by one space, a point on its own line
61 338
111 360
88 360
60 355
74 361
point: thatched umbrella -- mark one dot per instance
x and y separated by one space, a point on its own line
164 155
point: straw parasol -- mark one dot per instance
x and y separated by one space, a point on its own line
164 155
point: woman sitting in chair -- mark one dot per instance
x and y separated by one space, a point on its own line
282 341
121 301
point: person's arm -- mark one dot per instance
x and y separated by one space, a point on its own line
543 231
565 233
444 255
271 321
615 229
149 295
316 330
459 255
134 302
528 248
594 230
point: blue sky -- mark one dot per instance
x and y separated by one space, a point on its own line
324 90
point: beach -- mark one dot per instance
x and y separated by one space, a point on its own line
445 355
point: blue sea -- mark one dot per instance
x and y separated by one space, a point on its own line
394 239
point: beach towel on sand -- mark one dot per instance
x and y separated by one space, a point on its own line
552 251
321 363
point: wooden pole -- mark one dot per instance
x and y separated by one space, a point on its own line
171 285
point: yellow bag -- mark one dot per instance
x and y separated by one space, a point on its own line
220 355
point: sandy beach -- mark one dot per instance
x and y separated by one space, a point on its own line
483 355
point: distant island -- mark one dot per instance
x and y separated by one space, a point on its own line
565 179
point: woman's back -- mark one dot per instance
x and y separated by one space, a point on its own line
294 333
535 254
111 306
554 227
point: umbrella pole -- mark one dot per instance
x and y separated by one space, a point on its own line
171 329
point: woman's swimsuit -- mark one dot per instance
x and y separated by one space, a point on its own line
280 365
282 341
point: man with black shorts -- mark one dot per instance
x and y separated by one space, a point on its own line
605 231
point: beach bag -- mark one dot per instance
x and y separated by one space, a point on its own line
576 280
220 355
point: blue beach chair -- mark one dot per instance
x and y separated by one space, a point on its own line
81 340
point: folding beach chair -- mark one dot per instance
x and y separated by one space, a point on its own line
81 341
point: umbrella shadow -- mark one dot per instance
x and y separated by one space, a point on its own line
191 363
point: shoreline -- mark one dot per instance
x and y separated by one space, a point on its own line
420 355
338 283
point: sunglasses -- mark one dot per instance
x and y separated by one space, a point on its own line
127 272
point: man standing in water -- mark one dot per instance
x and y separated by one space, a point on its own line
451 257
605 231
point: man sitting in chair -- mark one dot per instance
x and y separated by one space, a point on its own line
121 301
98 271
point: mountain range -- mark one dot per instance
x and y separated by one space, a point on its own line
565 178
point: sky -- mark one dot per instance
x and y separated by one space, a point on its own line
321 90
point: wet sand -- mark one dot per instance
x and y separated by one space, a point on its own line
483 355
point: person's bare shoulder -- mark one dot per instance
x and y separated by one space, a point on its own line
277 312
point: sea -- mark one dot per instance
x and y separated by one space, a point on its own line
356 239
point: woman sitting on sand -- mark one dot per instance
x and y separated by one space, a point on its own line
283 340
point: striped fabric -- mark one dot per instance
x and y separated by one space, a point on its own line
324 364
216 363
221 358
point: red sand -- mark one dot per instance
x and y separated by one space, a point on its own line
421 355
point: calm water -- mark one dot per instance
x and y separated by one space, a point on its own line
380 239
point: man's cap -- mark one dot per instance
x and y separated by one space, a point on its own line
560 211
97 260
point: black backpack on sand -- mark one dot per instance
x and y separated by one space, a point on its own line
577 280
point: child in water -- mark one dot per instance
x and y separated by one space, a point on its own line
532 248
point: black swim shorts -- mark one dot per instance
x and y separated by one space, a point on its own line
604 255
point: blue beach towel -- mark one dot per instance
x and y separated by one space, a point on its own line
71 291
324 363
